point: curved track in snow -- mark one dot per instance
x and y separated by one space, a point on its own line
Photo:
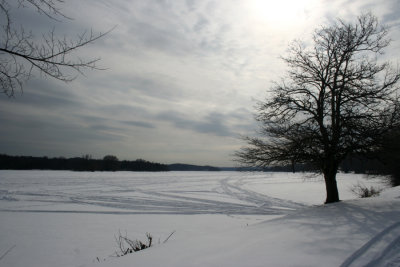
235 187
382 250
142 193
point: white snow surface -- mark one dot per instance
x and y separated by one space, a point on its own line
61 218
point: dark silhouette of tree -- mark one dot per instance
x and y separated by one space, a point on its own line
336 100
110 163
389 154
21 52
110 158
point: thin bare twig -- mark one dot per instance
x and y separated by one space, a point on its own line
8 251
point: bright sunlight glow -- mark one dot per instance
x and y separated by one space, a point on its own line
281 12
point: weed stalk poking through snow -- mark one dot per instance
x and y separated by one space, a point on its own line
127 245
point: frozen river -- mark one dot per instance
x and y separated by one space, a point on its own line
143 193
252 193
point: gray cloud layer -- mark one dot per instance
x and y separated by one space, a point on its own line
180 83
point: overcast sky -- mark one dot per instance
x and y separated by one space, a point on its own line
182 78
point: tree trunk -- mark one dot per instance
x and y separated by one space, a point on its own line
332 193
293 163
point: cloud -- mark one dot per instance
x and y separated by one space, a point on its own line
44 93
213 123
139 124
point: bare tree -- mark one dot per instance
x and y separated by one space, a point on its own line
337 99
21 52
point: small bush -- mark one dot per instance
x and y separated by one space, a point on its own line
362 191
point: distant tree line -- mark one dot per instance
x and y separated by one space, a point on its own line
352 164
84 163
188 167
384 161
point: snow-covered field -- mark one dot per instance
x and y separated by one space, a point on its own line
54 218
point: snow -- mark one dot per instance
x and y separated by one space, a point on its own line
57 218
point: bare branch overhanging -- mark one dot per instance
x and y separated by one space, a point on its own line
21 53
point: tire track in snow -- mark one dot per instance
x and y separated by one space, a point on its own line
382 250
234 187
152 201
180 194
